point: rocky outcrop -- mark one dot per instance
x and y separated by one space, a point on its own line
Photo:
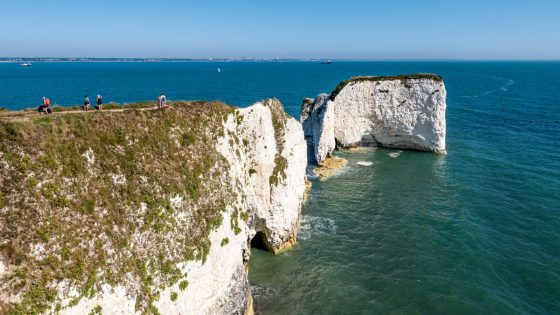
156 212
275 169
317 119
406 112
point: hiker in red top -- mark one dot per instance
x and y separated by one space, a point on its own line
45 108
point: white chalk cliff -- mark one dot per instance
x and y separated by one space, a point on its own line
220 286
317 119
266 155
406 112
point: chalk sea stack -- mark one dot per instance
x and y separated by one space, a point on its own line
404 112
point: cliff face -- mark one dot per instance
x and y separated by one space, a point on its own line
317 119
145 211
406 112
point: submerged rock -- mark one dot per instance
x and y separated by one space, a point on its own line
330 166
405 112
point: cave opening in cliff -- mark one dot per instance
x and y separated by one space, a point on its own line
258 241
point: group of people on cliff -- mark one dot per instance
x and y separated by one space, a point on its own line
99 106
45 107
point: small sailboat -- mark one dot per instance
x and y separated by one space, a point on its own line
219 70
25 64
326 62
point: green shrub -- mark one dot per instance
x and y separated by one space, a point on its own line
44 233
97 310
183 285
188 138
225 241
88 206
60 202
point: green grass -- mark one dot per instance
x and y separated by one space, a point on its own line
403 78
279 119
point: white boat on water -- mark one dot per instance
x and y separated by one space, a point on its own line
25 64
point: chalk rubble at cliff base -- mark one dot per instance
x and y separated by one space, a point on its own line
404 112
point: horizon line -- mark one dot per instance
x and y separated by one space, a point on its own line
13 58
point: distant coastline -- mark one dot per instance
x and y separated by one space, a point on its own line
72 59
242 59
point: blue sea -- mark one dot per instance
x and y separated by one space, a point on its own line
474 232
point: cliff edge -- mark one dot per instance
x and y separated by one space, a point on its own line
145 211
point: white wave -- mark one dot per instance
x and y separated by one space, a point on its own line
503 88
312 226
364 163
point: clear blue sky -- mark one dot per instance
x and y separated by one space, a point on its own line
389 29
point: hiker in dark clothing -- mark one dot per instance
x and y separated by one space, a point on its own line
86 103
99 102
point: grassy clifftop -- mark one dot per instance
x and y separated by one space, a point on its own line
101 197
403 78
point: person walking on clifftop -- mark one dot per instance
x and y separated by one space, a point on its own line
86 103
99 102
161 101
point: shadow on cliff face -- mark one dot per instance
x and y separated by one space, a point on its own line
258 241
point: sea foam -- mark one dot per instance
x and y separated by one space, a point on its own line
364 163
313 226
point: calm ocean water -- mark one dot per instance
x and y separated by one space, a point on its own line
476 231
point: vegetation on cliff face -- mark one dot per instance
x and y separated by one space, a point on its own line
117 198
403 78
279 120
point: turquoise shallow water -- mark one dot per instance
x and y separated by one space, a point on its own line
476 231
